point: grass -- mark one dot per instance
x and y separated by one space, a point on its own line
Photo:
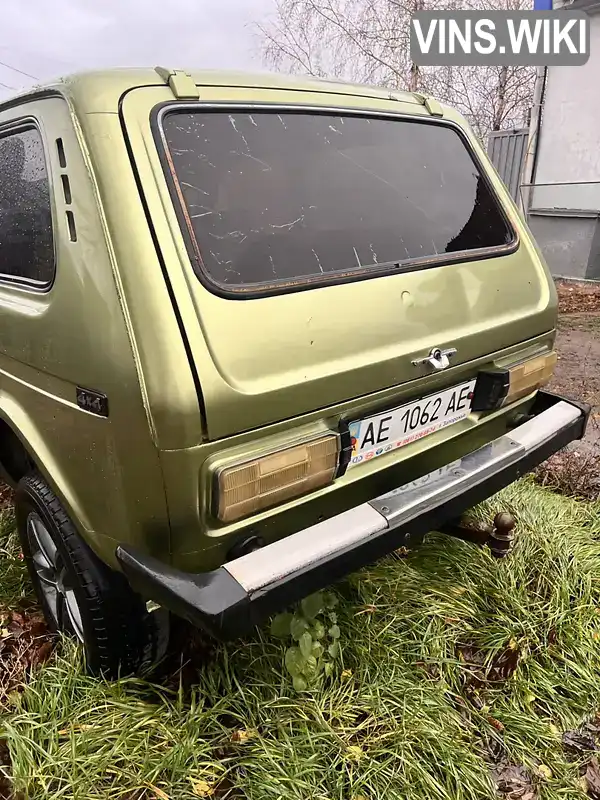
453 664
14 586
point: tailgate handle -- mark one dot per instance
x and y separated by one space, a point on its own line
437 358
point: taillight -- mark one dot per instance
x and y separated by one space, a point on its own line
501 386
263 482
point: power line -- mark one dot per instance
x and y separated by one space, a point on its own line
6 86
14 69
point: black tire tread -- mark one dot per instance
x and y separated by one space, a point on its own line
121 637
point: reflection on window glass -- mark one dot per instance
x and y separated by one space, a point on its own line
294 196
26 247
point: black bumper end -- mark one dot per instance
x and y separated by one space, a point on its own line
213 600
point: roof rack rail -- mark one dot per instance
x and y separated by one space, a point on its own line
181 83
430 103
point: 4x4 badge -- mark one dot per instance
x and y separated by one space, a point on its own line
437 358
95 402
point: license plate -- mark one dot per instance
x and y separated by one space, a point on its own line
377 435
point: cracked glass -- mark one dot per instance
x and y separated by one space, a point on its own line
26 244
292 197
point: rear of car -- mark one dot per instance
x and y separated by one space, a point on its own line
366 320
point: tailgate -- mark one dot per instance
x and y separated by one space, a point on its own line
315 254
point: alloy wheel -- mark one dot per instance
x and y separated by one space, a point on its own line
53 577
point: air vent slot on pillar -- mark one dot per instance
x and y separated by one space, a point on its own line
66 187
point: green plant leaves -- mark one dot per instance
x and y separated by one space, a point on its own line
280 625
298 626
312 605
311 667
299 683
334 649
294 661
306 644
317 650
313 626
318 629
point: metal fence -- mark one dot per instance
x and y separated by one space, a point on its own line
507 151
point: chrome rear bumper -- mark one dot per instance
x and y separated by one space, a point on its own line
230 600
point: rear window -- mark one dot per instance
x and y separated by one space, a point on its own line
285 199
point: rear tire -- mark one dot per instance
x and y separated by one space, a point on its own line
79 594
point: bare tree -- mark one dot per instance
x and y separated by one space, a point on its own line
491 98
368 41
361 40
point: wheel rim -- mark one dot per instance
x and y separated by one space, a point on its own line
53 577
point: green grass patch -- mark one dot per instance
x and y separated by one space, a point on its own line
15 589
451 662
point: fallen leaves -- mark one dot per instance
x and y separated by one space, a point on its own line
6 497
514 782
481 670
354 752
576 298
495 723
5 784
577 743
25 642
591 777
544 772
572 473
202 789
243 735
504 664
579 746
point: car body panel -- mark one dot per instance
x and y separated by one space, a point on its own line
105 470
194 379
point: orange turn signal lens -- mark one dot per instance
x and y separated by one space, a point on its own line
529 376
264 482
501 386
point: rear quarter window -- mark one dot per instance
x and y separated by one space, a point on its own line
274 200
26 242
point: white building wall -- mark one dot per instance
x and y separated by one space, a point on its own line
569 145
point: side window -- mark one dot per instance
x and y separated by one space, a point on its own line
26 245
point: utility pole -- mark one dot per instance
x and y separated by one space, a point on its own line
535 124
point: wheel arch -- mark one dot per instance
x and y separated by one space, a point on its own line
15 458
23 449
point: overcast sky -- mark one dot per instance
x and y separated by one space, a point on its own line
49 38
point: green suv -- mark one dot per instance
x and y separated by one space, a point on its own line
255 332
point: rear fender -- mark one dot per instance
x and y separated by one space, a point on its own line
23 449
76 455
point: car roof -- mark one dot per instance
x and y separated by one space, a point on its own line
102 90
